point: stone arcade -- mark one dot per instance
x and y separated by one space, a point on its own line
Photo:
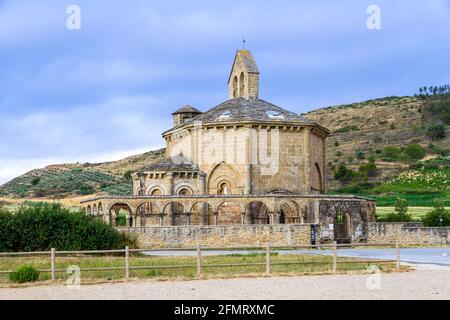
245 162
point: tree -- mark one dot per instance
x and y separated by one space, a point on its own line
439 216
390 153
370 168
342 173
436 131
401 206
415 151
35 181
127 175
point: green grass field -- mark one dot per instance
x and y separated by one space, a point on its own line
416 212
185 268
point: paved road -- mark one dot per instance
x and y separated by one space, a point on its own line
437 256
419 284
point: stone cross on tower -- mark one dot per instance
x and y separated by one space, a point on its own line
244 77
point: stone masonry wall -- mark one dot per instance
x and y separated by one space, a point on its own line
407 233
221 236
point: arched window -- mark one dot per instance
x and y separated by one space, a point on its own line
224 188
319 177
235 87
241 84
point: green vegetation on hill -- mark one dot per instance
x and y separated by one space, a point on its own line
60 181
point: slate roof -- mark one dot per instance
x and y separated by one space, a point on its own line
241 109
169 165
187 109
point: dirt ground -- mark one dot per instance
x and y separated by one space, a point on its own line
425 283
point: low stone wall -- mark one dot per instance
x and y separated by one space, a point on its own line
407 233
218 236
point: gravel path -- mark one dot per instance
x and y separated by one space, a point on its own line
425 283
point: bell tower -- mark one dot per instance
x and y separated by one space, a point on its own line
244 77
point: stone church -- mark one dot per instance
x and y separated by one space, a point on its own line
245 161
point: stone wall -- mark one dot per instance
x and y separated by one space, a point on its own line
221 236
407 233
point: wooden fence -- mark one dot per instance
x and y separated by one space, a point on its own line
52 254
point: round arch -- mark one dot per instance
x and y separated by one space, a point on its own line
257 212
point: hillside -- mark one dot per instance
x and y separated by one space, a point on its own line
71 180
363 130
360 132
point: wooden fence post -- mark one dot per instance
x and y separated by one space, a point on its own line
397 254
199 261
53 264
268 258
334 256
127 262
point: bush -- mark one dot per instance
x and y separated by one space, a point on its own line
342 173
35 181
360 154
396 217
369 168
414 151
45 226
127 175
24 274
433 218
436 131
390 153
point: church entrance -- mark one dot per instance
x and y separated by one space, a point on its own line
341 227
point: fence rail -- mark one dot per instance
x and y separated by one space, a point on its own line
265 251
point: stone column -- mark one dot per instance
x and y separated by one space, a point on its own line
271 218
243 218
216 216
248 214
141 212
170 176
188 218
202 206
248 180
276 216
161 219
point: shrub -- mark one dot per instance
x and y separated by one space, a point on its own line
415 165
433 218
338 153
45 226
369 168
391 153
336 143
392 126
436 131
350 159
396 217
6 230
414 151
342 173
85 190
360 155
127 175
26 273
35 181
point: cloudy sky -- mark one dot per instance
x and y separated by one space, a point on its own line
107 90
